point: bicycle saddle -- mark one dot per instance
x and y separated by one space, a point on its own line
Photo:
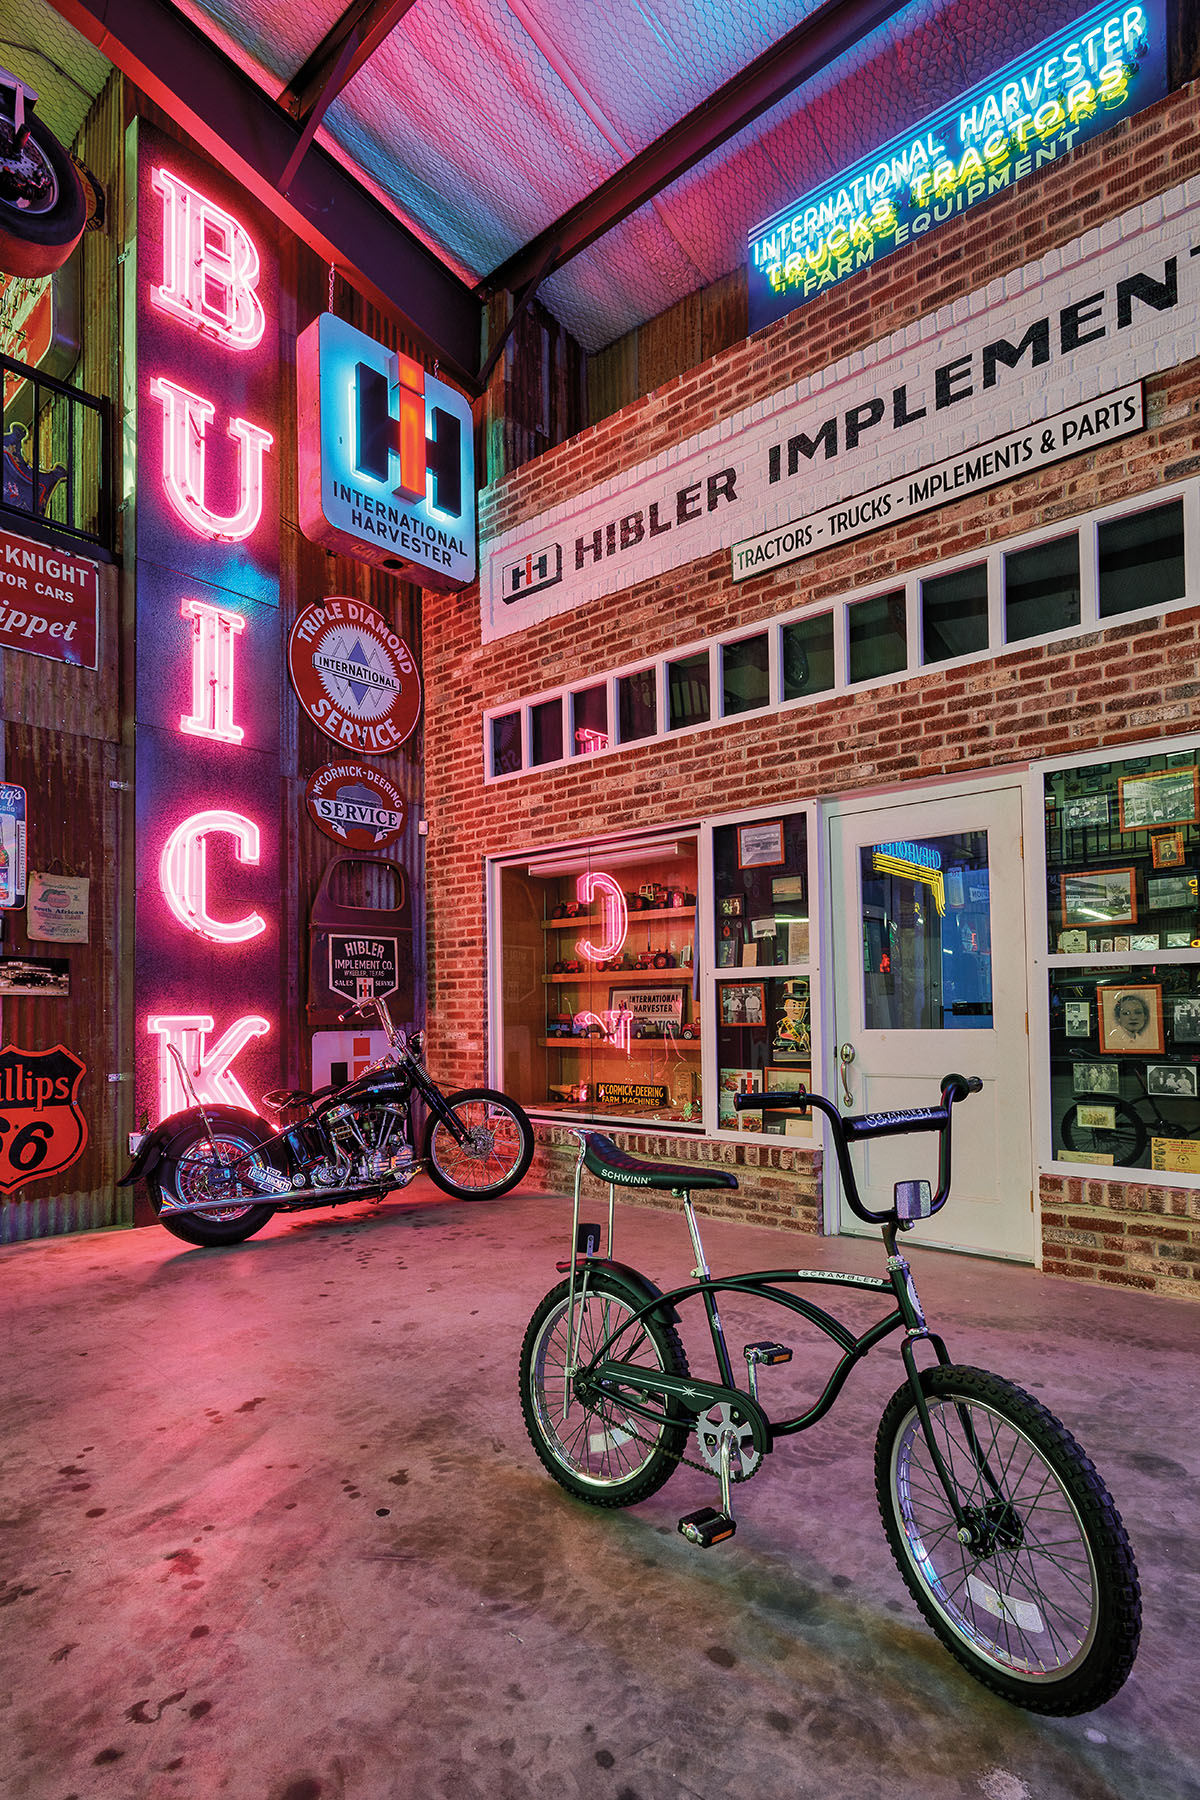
610 1163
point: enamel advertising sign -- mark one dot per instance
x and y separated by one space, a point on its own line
355 805
42 1130
353 676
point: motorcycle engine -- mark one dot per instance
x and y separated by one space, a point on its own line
373 1141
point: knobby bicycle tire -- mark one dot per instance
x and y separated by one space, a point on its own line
1046 1608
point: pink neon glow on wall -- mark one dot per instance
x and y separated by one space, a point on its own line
614 912
183 873
210 266
209 1069
214 632
185 417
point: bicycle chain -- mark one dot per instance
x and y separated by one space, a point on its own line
677 1456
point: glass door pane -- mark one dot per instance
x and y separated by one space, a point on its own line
927 934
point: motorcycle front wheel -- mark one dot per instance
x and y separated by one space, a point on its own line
231 1211
495 1154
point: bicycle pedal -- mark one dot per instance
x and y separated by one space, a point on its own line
767 1353
707 1527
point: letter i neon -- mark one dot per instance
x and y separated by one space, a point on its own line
213 634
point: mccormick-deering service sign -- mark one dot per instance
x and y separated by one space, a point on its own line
387 457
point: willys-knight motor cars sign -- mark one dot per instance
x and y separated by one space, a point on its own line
354 677
355 805
42 1130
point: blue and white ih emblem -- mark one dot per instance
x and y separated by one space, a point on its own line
387 462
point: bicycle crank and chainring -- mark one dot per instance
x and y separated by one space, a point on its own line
723 1423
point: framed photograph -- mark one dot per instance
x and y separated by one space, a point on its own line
1131 1019
1096 1118
1096 1078
1121 945
1105 946
43 976
1079 1017
1089 809
1162 797
1072 943
787 890
1165 893
763 928
729 906
1143 941
1185 1022
789 1122
1099 897
1167 851
760 845
1177 1080
729 952
743 1002
1177 940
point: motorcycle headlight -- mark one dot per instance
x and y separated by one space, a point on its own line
416 1042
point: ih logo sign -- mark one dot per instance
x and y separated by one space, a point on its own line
42 1130
536 570
387 462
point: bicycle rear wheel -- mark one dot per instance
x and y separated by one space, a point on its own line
1043 1606
599 1449
1123 1140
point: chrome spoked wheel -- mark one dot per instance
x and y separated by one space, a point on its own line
596 1445
494 1154
1036 1592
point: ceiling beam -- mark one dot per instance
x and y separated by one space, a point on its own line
807 49
350 42
231 118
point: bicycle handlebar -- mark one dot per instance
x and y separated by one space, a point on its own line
853 1128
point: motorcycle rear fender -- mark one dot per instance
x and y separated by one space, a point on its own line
640 1289
155 1144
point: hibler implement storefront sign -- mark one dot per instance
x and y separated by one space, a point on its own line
1041 365
1107 65
387 457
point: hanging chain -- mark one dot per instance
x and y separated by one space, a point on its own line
331 275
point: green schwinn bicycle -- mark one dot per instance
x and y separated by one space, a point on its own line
1003 1531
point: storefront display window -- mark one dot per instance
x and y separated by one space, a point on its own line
1141 560
1122 855
761 920
598 1001
878 636
1041 589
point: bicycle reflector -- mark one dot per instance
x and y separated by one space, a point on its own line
914 1199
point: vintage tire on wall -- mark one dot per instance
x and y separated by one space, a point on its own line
38 236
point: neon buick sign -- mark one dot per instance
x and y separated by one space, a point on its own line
1109 64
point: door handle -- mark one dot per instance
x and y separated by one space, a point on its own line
845 1058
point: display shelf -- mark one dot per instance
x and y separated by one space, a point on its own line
639 1046
628 977
635 918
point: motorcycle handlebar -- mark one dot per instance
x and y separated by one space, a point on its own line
852 1128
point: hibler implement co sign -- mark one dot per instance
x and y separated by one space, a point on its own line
1040 365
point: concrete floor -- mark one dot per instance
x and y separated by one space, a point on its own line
271 1529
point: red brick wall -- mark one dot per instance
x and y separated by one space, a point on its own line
1132 681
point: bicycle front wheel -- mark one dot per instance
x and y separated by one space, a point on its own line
599 1449
1123 1141
1043 1604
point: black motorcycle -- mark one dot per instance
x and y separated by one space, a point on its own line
216 1173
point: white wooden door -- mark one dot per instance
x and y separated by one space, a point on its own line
928 909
